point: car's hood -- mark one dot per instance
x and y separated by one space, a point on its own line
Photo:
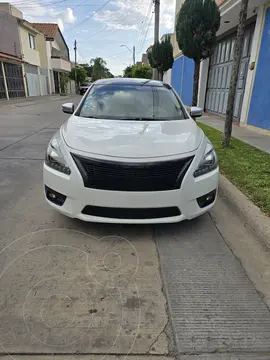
131 139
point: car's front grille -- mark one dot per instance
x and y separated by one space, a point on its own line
129 213
126 176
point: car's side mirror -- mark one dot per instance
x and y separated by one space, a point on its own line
68 108
196 111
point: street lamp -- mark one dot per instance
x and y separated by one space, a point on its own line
132 52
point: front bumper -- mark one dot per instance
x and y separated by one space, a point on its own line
78 197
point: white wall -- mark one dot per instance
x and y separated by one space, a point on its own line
178 6
253 58
55 45
49 53
203 82
10 9
61 65
167 78
30 55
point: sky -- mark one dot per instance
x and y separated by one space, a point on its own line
102 26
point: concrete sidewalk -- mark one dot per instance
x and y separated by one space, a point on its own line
32 100
251 137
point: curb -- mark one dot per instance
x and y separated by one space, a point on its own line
35 102
254 219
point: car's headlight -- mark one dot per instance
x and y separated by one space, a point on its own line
54 157
209 161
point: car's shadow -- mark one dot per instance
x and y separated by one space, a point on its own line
182 229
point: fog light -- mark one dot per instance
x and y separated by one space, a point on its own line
54 196
206 199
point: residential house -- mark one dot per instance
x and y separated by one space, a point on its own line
11 72
57 54
145 60
34 55
253 87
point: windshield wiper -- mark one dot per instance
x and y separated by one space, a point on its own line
138 118
92 117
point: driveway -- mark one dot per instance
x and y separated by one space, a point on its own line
149 292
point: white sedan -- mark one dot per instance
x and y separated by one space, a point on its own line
131 153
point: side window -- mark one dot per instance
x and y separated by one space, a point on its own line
32 41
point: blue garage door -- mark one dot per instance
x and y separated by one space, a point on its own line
259 105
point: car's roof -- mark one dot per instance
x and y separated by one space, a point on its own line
130 81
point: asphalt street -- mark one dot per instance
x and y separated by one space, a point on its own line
74 290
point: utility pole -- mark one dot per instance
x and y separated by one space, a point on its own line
75 50
134 54
156 31
239 41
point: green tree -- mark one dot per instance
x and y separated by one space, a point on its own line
81 74
196 27
128 72
99 69
64 80
161 56
108 74
88 69
142 71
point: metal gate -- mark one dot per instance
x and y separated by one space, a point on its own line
32 80
219 75
44 81
56 82
14 79
2 84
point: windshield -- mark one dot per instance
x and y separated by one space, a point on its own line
131 102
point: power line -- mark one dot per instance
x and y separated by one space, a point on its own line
144 24
30 4
108 41
109 28
83 58
146 32
89 17
35 3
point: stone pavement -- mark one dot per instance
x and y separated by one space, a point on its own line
252 137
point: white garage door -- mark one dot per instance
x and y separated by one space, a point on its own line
32 80
219 75
44 81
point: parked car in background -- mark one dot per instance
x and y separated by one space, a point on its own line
84 87
131 153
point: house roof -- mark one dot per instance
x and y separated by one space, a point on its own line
28 25
49 30
10 57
